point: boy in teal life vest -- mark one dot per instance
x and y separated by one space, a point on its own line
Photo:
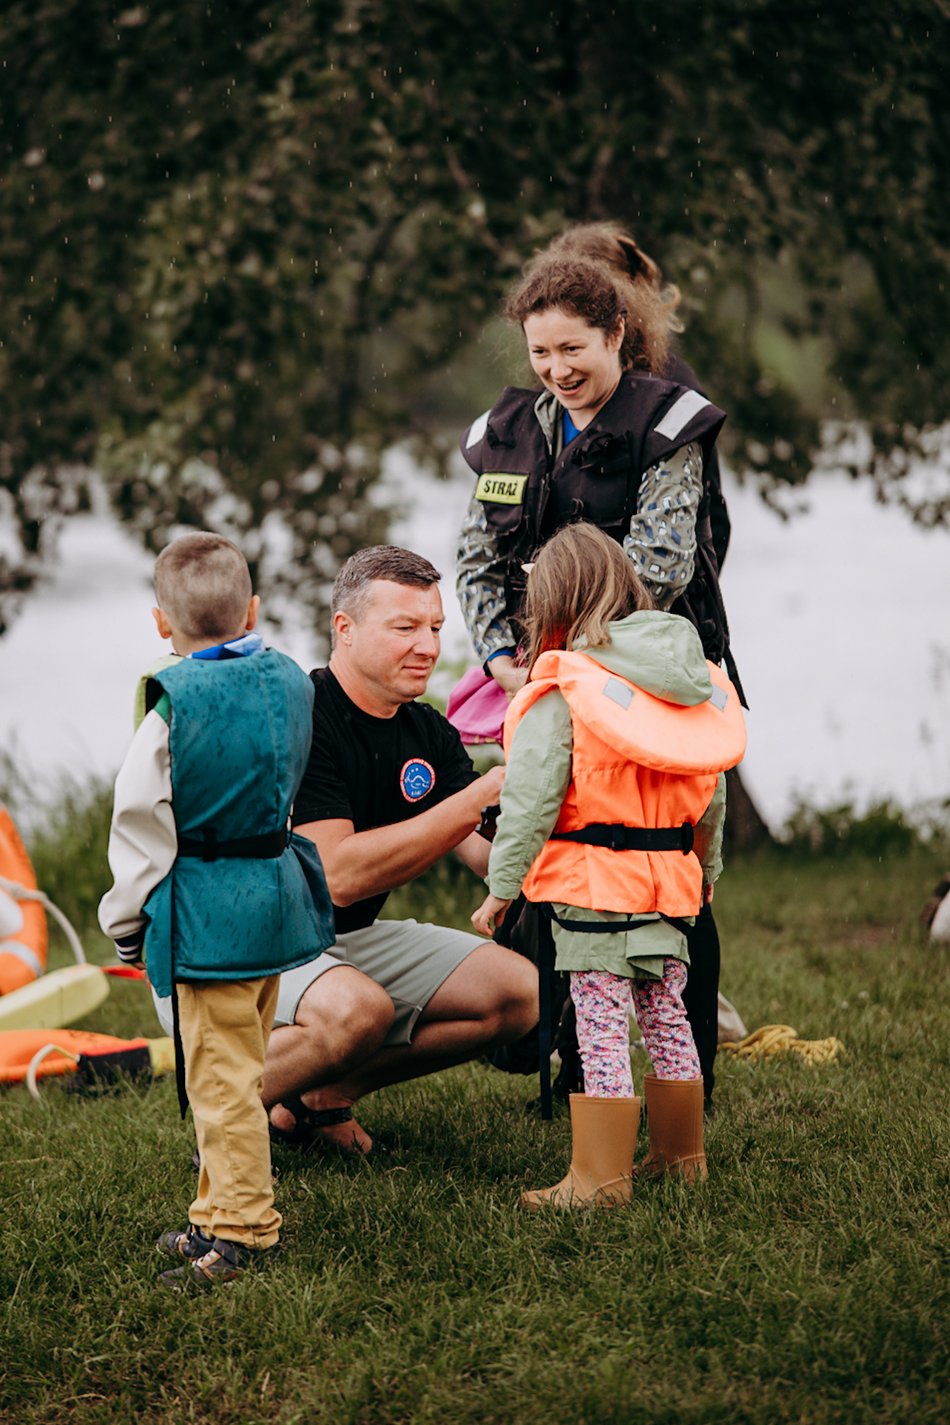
210 885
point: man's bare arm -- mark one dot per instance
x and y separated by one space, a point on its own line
358 864
474 851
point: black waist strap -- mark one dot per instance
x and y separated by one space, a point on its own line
249 848
613 927
631 838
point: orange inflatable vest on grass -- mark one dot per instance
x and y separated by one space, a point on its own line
23 954
18 1046
638 761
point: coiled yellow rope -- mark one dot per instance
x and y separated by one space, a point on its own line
774 1039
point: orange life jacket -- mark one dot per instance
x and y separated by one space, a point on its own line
64 1048
638 761
23 957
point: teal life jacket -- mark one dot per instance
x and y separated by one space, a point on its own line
243 898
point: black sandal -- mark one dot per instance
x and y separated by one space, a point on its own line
305 1135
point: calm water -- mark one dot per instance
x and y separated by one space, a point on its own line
840 621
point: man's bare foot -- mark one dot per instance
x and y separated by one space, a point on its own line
345 1134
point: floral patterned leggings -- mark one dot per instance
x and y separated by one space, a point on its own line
602 1002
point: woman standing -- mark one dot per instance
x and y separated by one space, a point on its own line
608 439
633 271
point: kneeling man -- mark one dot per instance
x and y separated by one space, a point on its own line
388 791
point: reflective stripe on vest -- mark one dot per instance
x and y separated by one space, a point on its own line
24 954
681 413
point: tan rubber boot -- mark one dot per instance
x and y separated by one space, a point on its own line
675 1116
604 1140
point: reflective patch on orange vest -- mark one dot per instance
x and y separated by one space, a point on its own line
619 692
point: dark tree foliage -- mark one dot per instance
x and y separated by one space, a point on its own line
238 240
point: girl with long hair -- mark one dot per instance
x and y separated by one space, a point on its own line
611 820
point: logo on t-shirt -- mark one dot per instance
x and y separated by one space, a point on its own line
415 779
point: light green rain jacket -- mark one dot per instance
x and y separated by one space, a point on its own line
661 653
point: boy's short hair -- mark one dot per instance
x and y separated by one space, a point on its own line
381 561
203 585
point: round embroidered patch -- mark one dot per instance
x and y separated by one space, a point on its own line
415 779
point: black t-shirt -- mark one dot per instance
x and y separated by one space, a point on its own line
375 771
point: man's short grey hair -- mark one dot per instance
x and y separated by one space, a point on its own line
382 561
203 585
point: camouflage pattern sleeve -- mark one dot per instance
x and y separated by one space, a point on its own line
662 538
480 585
709 830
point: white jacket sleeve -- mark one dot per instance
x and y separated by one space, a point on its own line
143 841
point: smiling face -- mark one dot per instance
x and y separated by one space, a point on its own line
578 363
384 656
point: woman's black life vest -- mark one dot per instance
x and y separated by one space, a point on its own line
527 496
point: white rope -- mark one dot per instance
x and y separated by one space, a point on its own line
38 1058
25 893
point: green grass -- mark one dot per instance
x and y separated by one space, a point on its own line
804 1283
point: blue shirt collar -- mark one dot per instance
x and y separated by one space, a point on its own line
571 431
244 647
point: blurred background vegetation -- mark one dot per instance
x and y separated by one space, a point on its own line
246 247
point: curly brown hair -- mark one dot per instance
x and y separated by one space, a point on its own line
650 302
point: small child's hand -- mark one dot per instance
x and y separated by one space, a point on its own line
507 674
489 914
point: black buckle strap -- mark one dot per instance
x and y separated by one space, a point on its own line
245 848
632 838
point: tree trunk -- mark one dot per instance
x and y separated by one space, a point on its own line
745 828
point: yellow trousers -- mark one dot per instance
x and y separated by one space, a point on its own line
225 1026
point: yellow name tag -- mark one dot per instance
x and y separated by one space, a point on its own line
501 489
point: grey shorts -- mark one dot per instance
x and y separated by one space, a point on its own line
410 961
